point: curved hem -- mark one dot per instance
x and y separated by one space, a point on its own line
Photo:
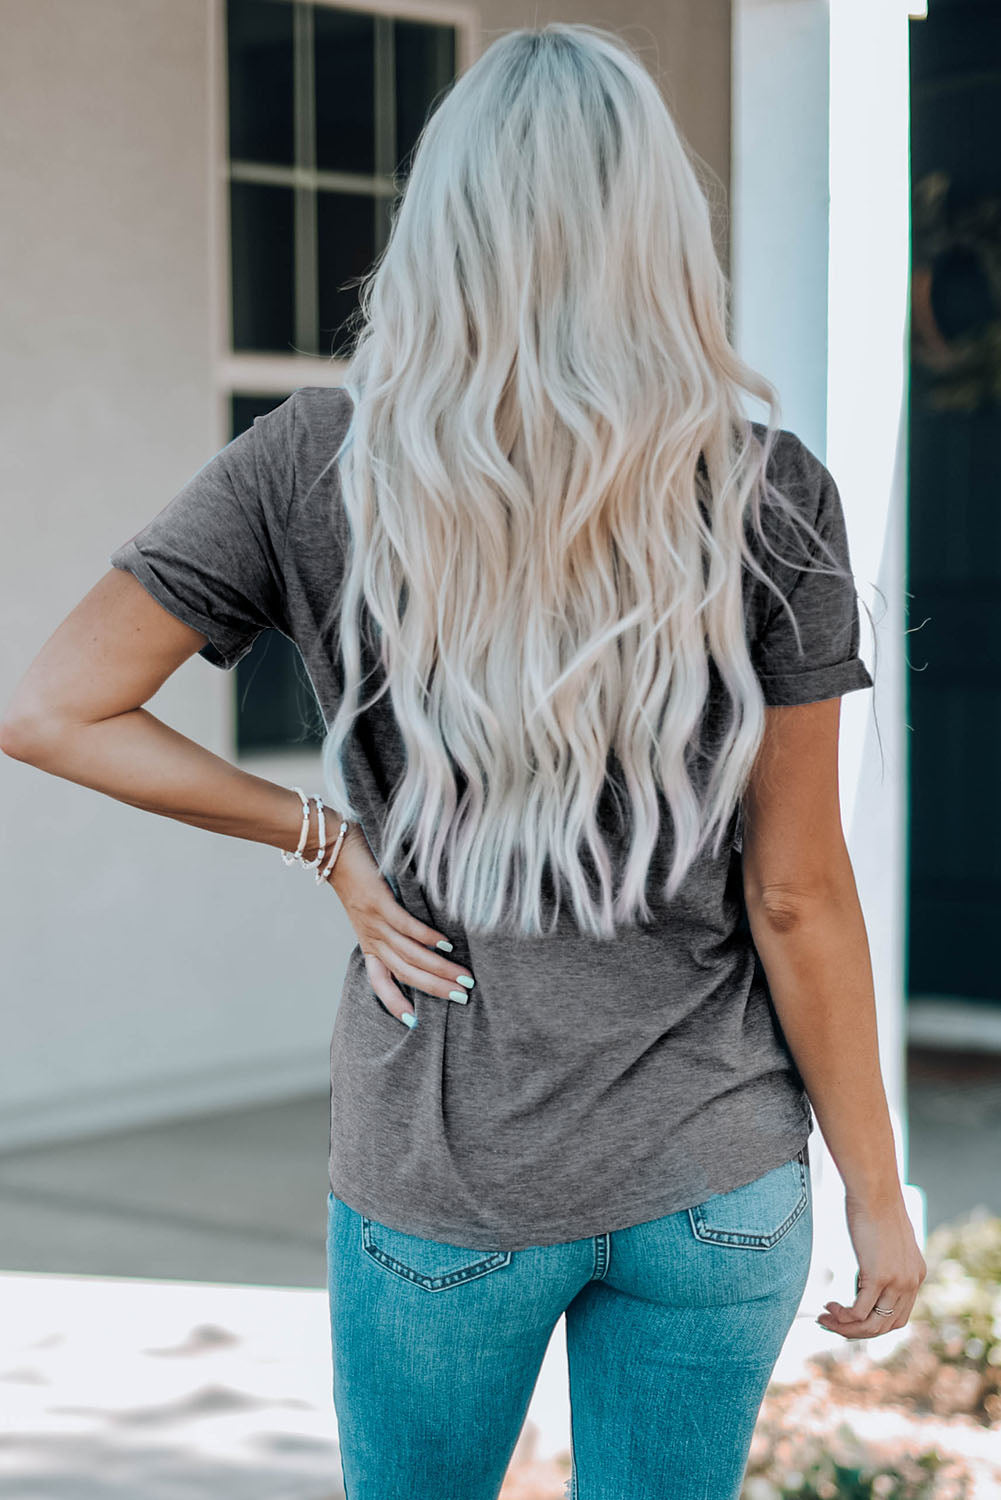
627 1215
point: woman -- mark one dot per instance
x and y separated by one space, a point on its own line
579 630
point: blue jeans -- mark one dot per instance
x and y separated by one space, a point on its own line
673 1328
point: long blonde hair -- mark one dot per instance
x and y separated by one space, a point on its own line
546 475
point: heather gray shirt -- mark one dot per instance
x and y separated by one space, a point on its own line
586 1085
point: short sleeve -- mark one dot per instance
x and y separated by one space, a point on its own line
213 555
824 661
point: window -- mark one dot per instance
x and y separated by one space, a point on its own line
324 107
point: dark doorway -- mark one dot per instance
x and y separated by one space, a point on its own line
954 533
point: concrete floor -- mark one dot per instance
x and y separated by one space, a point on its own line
234 1197
241 1197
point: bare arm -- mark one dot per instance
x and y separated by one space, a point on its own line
809 931
77 713
808 928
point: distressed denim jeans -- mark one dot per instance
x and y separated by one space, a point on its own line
673 1328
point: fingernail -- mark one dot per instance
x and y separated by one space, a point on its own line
459 995
444 944
409 1019
466 979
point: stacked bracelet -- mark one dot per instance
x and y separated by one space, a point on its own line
294 856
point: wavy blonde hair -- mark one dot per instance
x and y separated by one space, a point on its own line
546 475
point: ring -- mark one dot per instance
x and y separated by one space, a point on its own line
884 1312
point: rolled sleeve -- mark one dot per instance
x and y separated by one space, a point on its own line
212 557
786 689
225 643
815 654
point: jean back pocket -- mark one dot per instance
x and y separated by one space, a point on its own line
434 1265
756 1215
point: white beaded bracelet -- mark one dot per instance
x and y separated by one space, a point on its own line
295 856
289 856
311 864
336 850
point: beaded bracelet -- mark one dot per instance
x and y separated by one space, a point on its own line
290 856
311 864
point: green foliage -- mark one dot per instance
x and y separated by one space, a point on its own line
960 1299
839 1465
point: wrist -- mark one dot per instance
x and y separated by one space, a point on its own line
331 833
875 1194
312 849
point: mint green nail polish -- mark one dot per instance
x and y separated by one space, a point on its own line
444 944
466 979
409 1020
459 995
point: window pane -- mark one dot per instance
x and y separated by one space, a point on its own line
276 708
425 64
346 235
259 36
275 704
244 408
262 267
345 90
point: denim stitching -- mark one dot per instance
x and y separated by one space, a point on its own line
703 1231
419 1278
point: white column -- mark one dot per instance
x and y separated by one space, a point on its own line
820 271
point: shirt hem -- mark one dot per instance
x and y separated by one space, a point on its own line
628 1213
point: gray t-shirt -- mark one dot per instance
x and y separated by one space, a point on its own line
586 1085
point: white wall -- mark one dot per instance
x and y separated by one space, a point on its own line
150 969
147 967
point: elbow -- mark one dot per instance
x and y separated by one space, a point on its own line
780 914
787 910
25 738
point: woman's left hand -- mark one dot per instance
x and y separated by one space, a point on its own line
891 1269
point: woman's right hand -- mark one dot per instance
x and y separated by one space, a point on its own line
395 944
891 1268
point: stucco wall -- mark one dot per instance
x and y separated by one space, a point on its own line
150 968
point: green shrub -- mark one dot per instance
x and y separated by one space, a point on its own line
839 1465
960 1300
